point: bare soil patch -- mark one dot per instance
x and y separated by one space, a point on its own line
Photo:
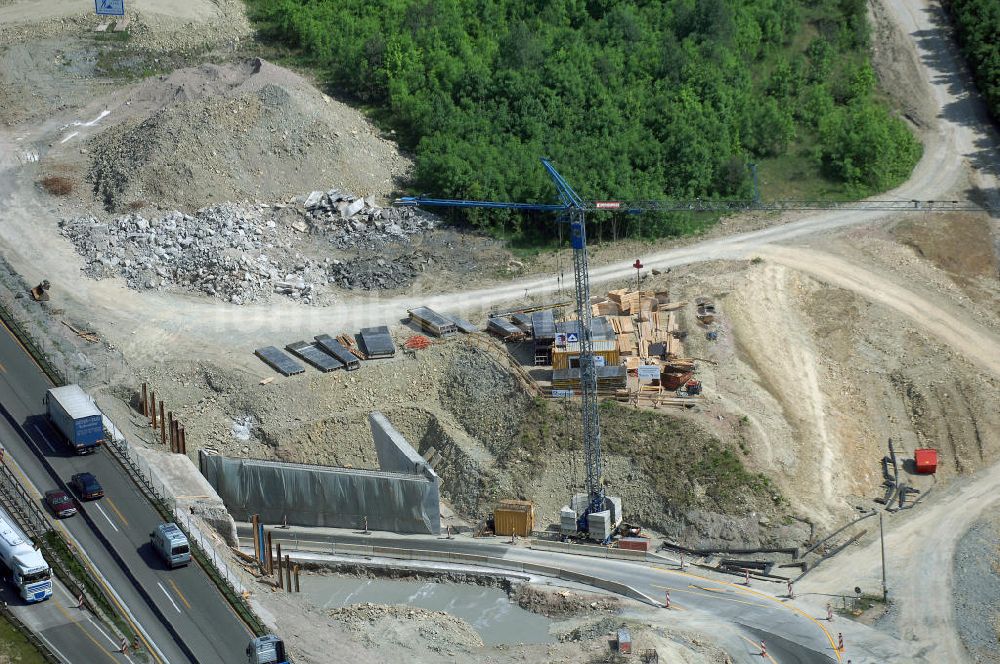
960 244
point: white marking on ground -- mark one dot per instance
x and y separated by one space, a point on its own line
168 596
101 509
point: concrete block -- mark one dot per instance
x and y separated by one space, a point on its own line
354 208
614 505
567 520
313 200
599 525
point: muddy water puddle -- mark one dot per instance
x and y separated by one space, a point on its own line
496 619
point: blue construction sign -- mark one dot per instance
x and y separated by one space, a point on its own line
110 7
572 338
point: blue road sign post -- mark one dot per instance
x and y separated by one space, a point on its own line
110 7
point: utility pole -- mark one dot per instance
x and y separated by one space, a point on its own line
881 534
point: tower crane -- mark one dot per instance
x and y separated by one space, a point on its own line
573 210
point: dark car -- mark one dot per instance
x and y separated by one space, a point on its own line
60 503
86 486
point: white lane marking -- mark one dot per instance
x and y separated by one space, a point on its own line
98 627
54 649
101 509
69 136
42 434
114 644
168 596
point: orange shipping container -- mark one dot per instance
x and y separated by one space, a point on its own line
514 517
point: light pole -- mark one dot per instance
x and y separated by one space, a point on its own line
881 535
638 266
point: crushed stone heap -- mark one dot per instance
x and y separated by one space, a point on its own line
241 252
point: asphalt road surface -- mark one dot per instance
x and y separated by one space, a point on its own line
72 634
182 612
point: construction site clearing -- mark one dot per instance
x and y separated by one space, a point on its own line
637 344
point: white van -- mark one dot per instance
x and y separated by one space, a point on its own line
172 545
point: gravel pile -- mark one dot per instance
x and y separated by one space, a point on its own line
379 274
977 590
590 631
263 133
561 603
437 629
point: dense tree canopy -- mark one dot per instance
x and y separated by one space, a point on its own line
977 24
632 99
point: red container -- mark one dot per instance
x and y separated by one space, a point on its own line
634 543
925 461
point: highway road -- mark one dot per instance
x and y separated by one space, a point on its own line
184 615
793 636
72 634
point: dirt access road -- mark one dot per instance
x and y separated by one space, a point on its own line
920 545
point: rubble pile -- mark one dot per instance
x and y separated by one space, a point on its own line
236 252
372 273
352 222
241 252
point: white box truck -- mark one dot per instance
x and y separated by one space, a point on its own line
75 415
29 571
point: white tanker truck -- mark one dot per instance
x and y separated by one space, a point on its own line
29 571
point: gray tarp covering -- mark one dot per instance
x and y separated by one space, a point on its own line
404 500
323 495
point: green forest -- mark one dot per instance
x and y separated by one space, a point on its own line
631 99
977 26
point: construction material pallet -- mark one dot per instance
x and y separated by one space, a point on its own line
463 325
337 349
377 342
315 356
433 322
278 361
608 378
504 329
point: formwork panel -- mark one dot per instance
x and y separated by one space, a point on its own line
336 349
543 325
504 329
377 342
315 356
463 325
433 322
278 361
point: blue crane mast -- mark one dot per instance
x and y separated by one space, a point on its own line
572 210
